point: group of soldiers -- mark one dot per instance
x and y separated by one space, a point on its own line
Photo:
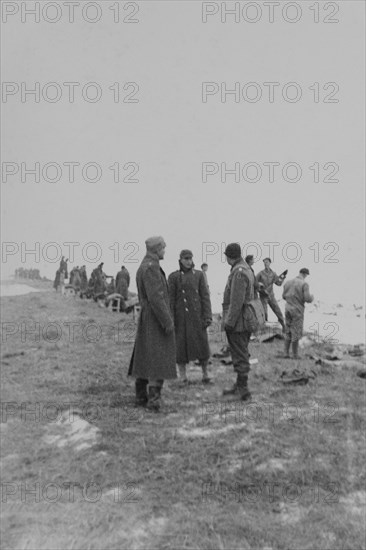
22 273
99 286
176 312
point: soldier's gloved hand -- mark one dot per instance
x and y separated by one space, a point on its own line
228 328
169 329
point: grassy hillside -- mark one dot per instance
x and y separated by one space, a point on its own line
83 469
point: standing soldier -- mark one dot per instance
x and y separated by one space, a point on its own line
204 268
123 282
153 358
296 293
265 280
239 291
191 307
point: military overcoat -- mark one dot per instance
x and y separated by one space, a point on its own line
154 352
122 283
191 307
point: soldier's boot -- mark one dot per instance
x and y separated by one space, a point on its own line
231 391
243 389
183 373
240 390
295 350
286 350
205 377
141 392
154 400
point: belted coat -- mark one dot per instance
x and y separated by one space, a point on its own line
191 307
154 353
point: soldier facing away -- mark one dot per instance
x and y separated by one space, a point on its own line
123 282
296 293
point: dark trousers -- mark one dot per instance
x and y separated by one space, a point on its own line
238 342
155 383
272 303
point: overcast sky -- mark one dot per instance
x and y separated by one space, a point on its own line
169 132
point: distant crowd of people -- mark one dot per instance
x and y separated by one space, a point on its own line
22 273
100 287
176 312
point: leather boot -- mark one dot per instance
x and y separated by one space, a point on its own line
240 391
205 378
243 387
182 373
154 401
230 391
141 392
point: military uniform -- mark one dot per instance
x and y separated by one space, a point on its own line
191 308
239 290
296 293
268 278
123 282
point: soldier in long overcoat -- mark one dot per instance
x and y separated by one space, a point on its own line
191 307
153 358
123 282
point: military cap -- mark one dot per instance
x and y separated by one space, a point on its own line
233 251
154 243
185 254
269 259
305 271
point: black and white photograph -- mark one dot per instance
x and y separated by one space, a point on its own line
183 275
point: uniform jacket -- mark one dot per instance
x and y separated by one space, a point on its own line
239 290
191 309
154 353
268 278
296 293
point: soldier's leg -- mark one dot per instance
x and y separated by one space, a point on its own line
141 392
297 330
276 310
288 318
182 368
238 342
264 301
204 365
154 400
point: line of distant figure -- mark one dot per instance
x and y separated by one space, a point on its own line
22 273
100 287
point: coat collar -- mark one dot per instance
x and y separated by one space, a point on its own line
152 256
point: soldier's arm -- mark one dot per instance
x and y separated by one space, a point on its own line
284 292
205 299
277 281
237 296
155 294
172 287
306 293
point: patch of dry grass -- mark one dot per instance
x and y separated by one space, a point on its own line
284 473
